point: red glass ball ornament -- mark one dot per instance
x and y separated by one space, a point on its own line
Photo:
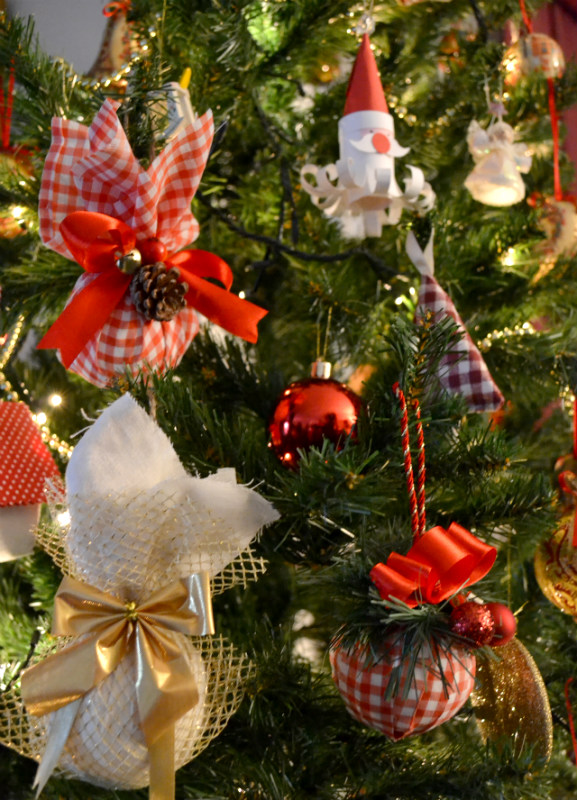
310 411
473 621
505 624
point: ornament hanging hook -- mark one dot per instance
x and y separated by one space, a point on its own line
366 24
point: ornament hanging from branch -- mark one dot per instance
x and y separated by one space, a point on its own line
117 47
25 466
145 685
462 370
499 160
415 680
360 191
134 308
310 411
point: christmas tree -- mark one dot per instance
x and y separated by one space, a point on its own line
384 191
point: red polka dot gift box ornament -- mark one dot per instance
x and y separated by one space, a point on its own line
310 411
25 465
134 307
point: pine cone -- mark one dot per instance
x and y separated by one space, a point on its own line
157 292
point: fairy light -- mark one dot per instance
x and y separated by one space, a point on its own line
55 400
8 392
63 518
526 329
509 257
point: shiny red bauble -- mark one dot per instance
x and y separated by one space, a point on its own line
473 621
505 624
310 411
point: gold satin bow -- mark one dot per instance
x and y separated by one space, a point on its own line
164 682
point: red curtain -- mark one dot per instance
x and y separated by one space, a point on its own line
559 20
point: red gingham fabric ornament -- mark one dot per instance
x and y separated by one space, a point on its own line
93 169
25 461
431 699
462 371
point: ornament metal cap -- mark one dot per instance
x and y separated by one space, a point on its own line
321 369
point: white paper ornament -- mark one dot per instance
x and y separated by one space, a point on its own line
139 522
360 191
495 179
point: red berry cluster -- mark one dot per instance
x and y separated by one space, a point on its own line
490 624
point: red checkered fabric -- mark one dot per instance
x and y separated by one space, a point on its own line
431 699
94 169
25 461
463 370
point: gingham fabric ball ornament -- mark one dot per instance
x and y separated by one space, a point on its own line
462 370
98 205
25 466
143 685
434 692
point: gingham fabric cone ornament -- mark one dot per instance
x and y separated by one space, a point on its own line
25 466
360 191
462 370
499 160
130 698
118 222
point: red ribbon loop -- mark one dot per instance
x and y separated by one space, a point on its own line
439 564
568 484
116 7
95 242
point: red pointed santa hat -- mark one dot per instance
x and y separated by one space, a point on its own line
365 90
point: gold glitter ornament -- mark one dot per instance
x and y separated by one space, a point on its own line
556 567
511 703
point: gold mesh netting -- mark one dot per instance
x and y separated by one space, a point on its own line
131 546
106 746
146 540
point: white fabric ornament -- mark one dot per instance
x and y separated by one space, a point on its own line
139 522
495 179
360 191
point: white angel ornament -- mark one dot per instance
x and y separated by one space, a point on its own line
499 160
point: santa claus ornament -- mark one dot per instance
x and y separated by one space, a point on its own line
462 370
25 466
360 191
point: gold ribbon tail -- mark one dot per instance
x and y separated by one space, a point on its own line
161 754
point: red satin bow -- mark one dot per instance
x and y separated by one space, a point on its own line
95 241
439 564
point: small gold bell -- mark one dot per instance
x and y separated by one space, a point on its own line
130 262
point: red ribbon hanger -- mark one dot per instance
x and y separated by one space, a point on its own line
96 241
440 562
